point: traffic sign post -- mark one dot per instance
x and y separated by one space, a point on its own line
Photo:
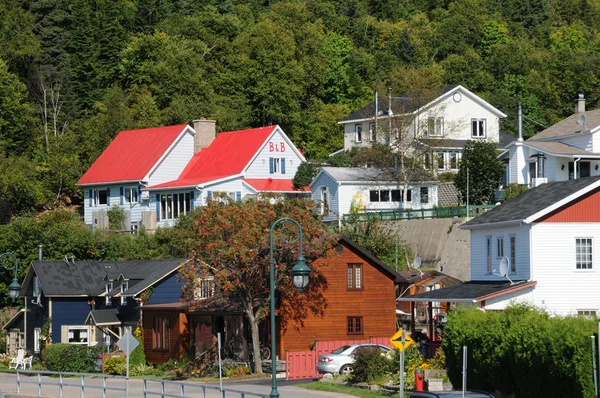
127 344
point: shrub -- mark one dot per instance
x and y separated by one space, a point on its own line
71 358
370 364
137 356
438 361
115 365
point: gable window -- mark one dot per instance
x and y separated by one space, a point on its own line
477 128
372 132
583 253
161 333
123 296
424 194
500 246
354 325
358 132
488 244
130 195
107 289
276 165
37 333
204 289
174 205
324 201
355 277
435 126
78 335
100 197
513 253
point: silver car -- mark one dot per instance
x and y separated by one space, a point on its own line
341 360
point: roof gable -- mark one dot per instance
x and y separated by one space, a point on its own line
367 256
569 126
133 154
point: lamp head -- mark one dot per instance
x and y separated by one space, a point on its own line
300 274
14 289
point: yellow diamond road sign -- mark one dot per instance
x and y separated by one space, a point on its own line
396 340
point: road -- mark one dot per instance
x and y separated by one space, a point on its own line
287 389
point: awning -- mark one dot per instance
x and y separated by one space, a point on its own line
469 292
108 317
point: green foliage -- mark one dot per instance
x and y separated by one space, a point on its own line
371 365
513 190
115 365
521 349
484 169
438 361
137 356
306 172
71 357
116 218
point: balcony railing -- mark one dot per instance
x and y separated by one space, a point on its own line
415 214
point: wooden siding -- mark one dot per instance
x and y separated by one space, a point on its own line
167 291
585 210
67 311
376 304
178 336
325 180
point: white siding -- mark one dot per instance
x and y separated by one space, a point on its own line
520 296
478 246
174 161
561 288
596 142
134 209
277 147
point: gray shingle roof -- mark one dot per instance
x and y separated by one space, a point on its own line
560 148
104 317
447 194
361 174
472 291
570 126
532 201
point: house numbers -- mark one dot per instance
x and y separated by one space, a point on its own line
277 147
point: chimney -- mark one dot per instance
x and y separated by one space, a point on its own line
40 252
580 107
205 133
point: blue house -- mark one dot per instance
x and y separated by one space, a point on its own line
89 302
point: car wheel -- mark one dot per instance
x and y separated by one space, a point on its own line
346 370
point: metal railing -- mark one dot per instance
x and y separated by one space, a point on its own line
181 386
415 214
71 377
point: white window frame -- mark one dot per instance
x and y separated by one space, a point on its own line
71 329
174 205
205 288
582 264
107 289
488 257
358 133
325 205
587 313
424 196
277 165
96 197
36 286
123 295
478 128
130 195
500 246
435 126
37 334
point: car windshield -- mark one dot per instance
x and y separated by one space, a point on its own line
341 349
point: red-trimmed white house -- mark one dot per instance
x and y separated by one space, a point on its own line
549 237
158 174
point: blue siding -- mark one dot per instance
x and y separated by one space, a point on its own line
167 291
68 311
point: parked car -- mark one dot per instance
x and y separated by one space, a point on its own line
341 360
449 394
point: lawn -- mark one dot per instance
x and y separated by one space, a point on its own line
357 392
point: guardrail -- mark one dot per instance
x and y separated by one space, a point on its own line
414 214
61 381
181 386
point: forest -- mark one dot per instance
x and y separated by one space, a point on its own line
73 73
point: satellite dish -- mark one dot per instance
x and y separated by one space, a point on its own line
417 262
582 120
504 266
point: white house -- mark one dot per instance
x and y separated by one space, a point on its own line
158 174
443 124
568 150
548 237
337 189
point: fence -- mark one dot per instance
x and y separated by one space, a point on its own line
182 386
303 364
414 214
81 386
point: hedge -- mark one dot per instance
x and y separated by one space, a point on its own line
522 351
71 357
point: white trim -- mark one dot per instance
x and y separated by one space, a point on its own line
159 279
285 137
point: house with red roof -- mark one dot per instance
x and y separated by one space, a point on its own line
159 174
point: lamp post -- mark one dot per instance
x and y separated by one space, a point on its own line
15 287
300 275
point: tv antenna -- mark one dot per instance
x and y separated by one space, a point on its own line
504 265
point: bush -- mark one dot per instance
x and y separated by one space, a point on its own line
115 365
137 356
71 358
370 364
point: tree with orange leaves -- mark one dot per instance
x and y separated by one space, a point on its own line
232 247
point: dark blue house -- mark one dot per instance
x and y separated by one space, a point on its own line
89 302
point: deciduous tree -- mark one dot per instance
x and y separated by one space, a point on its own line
484 169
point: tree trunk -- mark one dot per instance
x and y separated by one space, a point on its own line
255 338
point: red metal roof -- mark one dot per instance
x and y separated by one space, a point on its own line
132 155
228 155
272 185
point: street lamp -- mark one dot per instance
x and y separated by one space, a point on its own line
15 287
300 276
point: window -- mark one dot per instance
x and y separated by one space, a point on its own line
500 246
358 132
130 195
488 242
107 289
477 128
37 333
453 160
424 194
583 253
78 335
174 205
276 165
205 288
435 126
354 325
123 296
100 197
374 195
324 201
36 286
161 333
587 313
583 170
355 277
441 162
513 254
372 132
387 195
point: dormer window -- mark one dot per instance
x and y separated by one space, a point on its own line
123 296
108 289
204 289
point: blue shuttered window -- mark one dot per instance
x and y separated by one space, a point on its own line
271 160
121 195
139 194
282 165
238 196
157 207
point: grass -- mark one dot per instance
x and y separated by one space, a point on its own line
357 392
